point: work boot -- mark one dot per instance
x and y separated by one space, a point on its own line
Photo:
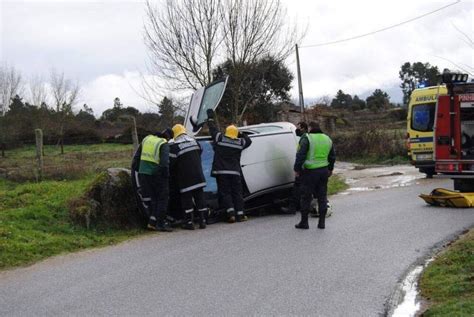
188 220
202 219
322 219
189 225
151 224
163 226
241 217
303 224
230 215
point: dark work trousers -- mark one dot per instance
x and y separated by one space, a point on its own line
157 188
231 192
314 183
295 198
187 203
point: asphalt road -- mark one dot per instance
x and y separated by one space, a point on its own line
262 267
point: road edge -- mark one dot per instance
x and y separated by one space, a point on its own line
397 294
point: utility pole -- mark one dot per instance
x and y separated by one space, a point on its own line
300 84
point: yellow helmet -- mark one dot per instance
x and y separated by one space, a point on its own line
178 129
231 132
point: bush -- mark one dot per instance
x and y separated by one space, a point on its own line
108 202
373 142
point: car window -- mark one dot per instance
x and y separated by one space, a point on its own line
264 129
212 96
423 117
203 99
206 159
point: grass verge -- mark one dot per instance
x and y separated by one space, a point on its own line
448 282
336 184
34 222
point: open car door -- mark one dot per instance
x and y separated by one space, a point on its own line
203 99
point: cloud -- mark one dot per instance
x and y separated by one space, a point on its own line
363 65
101 92
100 43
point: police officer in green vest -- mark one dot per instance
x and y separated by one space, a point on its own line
153 174
314 165
295 198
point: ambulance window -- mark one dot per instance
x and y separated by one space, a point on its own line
423 117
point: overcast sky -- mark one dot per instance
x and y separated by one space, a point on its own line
100 43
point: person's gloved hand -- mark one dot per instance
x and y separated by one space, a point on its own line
210 114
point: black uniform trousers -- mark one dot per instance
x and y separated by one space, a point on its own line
187 202
231 193
157 189
314 183
295 197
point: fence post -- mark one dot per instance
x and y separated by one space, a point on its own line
39 153
134 135
3 146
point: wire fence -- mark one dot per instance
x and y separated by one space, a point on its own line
66 161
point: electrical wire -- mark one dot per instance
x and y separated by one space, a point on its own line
381 30
450 61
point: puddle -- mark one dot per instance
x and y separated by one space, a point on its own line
410 304
378 177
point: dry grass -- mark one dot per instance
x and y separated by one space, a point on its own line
76 162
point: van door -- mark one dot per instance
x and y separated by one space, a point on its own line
203 99
268 163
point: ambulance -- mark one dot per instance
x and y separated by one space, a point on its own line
420 122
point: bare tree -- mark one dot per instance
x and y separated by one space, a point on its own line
183 38
188 39
65 94
257 28
11 84
38 91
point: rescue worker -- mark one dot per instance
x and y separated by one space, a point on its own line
153 176
186 168
228 148
314 164
294 200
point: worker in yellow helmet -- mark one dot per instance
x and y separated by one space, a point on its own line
186 170
226 167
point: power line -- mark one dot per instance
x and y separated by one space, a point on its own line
450 61
381 30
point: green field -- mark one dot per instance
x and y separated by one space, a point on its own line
448 282
76 162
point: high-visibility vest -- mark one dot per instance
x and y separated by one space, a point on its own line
319 147
151 149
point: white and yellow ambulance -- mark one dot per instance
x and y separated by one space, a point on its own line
420 122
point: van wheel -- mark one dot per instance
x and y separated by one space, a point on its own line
429 171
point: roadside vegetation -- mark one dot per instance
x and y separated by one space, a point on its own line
448 282
35 224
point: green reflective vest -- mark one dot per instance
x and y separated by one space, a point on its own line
151 149
319 147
